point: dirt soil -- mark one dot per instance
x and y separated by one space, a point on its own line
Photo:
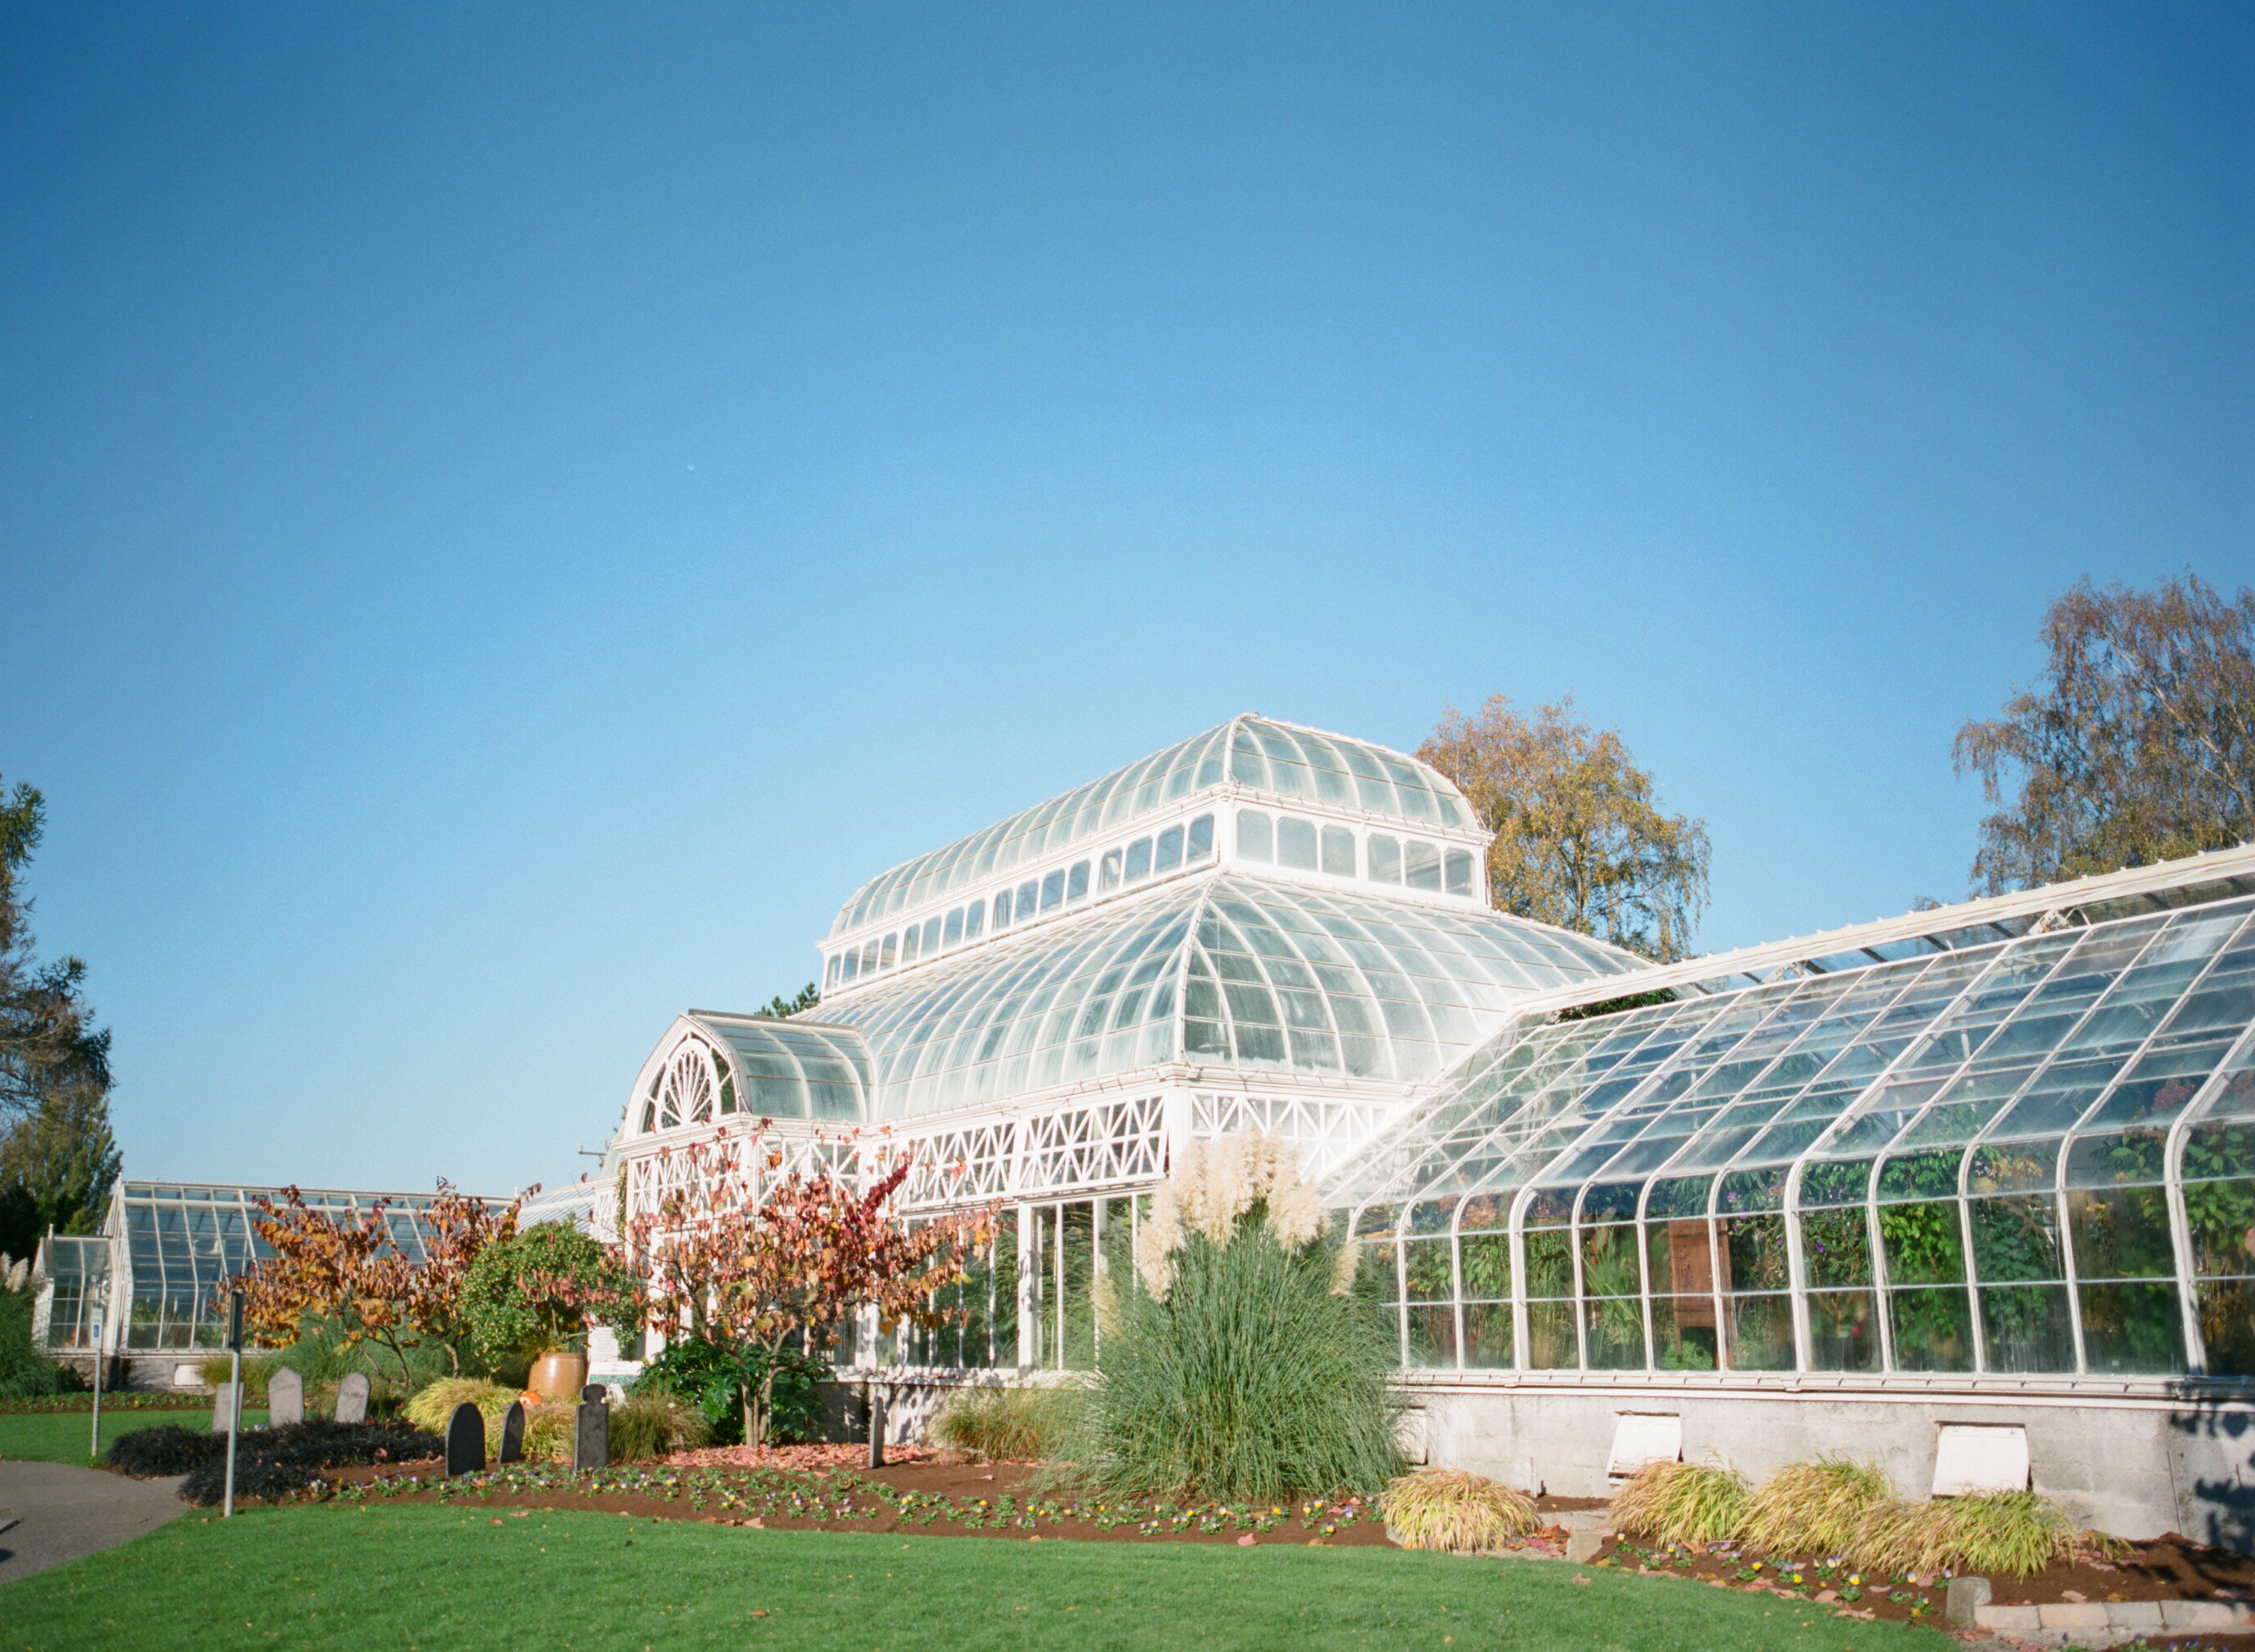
827 1500
2169 1568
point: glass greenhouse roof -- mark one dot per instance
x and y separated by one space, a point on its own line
180 1242
1251 752
2039 1153
798 1068
1231 972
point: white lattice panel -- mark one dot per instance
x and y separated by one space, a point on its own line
1327 1129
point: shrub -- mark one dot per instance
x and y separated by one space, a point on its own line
530 1293
1006 1424
713 1378
656 1424
26 1370
1814 1506
1682 1503
1253 1380
432 1407
1457 1513
257 1368
153 1454
274 1462
2015 1531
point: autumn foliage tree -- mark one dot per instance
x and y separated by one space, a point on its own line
355 1275
1581 841
799 1258
2137 745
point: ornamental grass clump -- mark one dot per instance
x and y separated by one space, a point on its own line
2015 1531
1455 1513
1007 1424
1237 1371
1671 1503
655 1423
1813 1507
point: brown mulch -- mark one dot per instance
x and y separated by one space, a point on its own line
965 1482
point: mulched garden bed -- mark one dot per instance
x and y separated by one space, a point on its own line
927 1498
2169 1568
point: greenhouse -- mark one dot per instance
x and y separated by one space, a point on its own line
1990 1166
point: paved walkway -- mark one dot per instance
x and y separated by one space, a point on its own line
61 1513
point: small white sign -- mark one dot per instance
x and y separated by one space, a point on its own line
1645 1437
1974 1456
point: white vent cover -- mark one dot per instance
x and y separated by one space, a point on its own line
1645 1437
187 1377
1413 1436
1973 1456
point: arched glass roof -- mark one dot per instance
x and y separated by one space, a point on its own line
1252 752
790 1070
1233 971
2034 1155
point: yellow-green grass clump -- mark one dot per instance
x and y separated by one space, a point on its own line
1455 1512
1006 1424
1813 1507
2015 1531
1672 1503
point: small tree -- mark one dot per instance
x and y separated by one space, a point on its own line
354 1275
754 1272
535 1292
1580 839
2137 745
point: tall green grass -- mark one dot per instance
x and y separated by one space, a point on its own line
1252 1382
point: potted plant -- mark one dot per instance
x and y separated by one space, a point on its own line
533 1297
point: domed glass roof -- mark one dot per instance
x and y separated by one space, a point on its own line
1278 758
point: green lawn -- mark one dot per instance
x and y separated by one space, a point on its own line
433 1578
62 1437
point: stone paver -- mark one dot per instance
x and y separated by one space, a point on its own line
61 1513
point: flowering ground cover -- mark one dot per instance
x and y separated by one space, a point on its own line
465 1574
62 1437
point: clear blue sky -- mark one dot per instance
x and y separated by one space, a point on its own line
506 518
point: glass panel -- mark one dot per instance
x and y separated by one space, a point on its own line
971 916
1078 1286
1551 1345
1002 910
1428 1270
1754 1253
1933 1328
1835 1246
1201 839
952 933
1028 898
1256 835
2015 1240
2120 1233
2227 1325
1296 843
2026 1328
1338 851
885 960
1834 1183
1485 1259
1460 871
1420 864
2131 1329
1760 1334
1170 851
1844 1334
1487 1335
912 942
1384 858
1684 1332
1432 1336
1053 891
1076 882
2221 1215
1139 860
1549 1263
1924 1245
1107 872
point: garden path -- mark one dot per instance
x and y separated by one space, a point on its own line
62 1512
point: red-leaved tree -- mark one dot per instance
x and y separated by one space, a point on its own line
352 1273
752 1268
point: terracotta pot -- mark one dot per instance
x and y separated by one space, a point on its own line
559 1376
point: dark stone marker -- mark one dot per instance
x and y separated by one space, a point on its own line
466 1440
512 1433
352 1397
876 1427
591 1438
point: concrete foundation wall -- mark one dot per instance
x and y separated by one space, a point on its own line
2135 1468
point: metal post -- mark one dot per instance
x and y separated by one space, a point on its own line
876 1409
95 1449
235 1395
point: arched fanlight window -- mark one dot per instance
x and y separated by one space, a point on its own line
688 1089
